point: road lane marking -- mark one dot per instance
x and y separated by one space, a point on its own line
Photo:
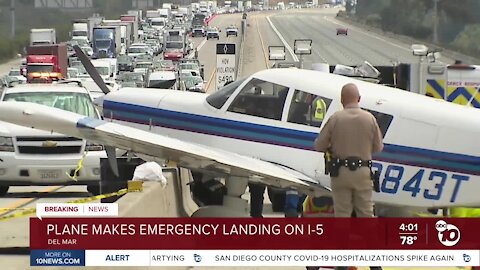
294 56
211 77
263 45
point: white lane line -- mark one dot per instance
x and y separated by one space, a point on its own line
295 58
199 47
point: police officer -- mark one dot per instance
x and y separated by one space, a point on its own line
352 135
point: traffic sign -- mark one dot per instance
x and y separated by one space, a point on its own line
226 66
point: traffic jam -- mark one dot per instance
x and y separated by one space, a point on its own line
152 49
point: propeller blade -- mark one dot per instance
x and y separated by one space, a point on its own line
112 159
91 70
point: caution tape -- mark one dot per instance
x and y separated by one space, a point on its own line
31 211
27 212
79 167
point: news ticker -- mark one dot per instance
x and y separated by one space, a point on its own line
264 234
211 258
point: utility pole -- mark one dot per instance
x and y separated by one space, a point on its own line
12 17
435 21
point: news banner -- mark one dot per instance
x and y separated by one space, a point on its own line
74 235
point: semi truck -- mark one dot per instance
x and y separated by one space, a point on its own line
46 36
125 33
106 41
46 63
134 19
79 30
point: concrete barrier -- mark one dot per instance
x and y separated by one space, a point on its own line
173 200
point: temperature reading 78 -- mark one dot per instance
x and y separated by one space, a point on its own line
408 239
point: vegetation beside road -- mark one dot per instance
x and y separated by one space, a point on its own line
458 22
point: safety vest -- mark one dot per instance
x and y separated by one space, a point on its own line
320 109
464 212
318 207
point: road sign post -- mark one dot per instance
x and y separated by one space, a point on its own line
226 64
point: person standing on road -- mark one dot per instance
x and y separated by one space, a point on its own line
352 135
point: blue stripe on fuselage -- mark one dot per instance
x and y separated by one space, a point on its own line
282 136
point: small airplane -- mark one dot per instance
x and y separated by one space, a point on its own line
260 129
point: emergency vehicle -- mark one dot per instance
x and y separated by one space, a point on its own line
457 83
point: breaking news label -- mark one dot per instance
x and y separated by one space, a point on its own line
108 241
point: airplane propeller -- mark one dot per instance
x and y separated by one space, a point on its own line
92 71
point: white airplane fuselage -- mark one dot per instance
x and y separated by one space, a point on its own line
431 156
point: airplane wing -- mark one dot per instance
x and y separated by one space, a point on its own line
186 154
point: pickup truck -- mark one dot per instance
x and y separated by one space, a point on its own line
39 158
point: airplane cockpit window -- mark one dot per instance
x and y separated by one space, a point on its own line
308 109
217 99
384 120
260 98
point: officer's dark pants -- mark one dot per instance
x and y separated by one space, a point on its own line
256 199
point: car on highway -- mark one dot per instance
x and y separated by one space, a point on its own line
33 157
174 50
342 31
136 78
192 83
163 80
16 73
165 65
143 67
198 31
232 30
125 63
139 49
213 32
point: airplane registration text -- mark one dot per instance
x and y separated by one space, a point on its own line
395 178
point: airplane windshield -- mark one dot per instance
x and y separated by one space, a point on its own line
219 98
73 102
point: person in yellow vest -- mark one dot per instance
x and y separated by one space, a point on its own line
318 207
464 212
318 111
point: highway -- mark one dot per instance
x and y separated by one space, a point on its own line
318 24
359 45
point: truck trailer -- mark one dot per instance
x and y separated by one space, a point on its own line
46 63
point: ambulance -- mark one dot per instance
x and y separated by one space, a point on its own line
457 83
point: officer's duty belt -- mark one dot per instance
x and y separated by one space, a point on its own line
353 163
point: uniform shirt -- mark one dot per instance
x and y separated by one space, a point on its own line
351 132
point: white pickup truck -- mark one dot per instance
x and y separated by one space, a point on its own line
38 158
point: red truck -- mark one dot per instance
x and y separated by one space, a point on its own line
46 63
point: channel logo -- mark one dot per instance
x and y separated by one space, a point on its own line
448 234
197 258
466 258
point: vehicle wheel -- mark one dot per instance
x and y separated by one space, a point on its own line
94 189
277 197
3 190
